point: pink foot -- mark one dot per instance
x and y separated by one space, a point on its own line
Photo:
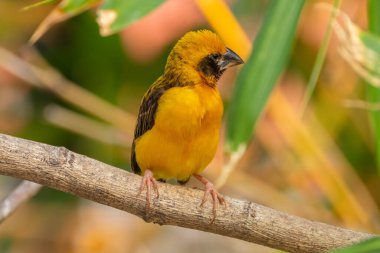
148 181
217 198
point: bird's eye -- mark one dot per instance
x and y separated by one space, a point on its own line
214 56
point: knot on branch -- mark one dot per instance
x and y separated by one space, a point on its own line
59 156
250 210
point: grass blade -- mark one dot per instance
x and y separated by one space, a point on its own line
320 58
373 93
263 68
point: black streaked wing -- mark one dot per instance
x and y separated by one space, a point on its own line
146 117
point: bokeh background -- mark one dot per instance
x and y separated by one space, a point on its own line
319 164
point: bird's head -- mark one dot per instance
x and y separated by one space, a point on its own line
202 53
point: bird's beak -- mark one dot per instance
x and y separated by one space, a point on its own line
229 59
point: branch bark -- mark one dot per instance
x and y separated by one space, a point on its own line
67 171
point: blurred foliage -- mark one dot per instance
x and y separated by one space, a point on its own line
369 246
126 12
261 71
5 244
99 65
291 160
74 7
373 93
316 71
372 41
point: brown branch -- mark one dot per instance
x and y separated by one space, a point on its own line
23 192
67 171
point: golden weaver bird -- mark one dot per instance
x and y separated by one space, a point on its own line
177 129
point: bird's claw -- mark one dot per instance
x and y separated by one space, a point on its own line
217 198
148 182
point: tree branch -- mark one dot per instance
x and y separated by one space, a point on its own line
67 171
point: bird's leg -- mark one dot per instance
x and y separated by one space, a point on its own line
148 181
217 198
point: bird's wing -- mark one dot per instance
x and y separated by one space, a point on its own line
146 117
148 108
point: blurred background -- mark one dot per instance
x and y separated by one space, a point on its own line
321 165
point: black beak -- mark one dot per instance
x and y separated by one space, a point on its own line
229 59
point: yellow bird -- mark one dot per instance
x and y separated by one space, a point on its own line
177 129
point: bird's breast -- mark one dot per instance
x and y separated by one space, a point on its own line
185 112
185 135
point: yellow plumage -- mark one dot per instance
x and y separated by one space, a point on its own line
177 130
184 138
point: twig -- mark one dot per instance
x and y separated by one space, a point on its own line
230 166
50 79
67 171
360 104
23 192
86 126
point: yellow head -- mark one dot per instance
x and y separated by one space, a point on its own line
202 53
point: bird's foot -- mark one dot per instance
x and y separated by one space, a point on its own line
148 182
210 189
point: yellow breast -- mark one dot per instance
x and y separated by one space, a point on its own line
185 135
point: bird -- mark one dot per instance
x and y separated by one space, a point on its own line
178 124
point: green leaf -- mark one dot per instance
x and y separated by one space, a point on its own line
371 41
369 246
320 58
373 93
5 244
374 16
74 7
114 15
65 10
262 70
